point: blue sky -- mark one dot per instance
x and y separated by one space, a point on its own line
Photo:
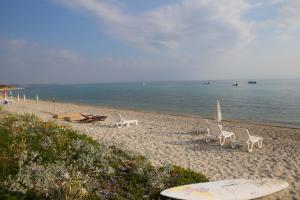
80 41
53 26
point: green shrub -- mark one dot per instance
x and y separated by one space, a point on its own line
42 160
181 176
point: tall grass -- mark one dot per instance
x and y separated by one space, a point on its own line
42 160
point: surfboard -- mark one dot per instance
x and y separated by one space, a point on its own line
234 189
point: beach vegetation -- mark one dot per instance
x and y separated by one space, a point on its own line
44 160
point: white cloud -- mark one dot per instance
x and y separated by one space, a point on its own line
190 24
192 39
290 15
34 63
26 61
284 20
17 43
66 55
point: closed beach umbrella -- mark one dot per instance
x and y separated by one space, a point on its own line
4 93
53 100
218 116
18 97
37 98
24 97
10 93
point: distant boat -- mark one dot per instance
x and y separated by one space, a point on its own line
207 82
235 84
251 82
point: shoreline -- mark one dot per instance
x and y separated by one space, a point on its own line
261 123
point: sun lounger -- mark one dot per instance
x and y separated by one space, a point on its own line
79 117
215 132
126 122
7 101
242 136
92 118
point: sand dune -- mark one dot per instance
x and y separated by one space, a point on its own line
172 139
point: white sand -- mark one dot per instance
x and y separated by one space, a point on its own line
167 138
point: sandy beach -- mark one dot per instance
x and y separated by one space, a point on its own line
165 138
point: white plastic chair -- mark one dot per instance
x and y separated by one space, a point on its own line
123 122
242 135
8 101
215 132
203 128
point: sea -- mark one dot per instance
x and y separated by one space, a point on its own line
273 101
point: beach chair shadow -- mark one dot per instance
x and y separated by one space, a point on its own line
201 145
193 132
107 126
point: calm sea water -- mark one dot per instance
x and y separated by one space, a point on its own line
268 101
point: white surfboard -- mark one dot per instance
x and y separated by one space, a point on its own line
235 189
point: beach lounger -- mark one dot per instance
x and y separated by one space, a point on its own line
92 118
242 136
215 132
126 122
7 101
79 117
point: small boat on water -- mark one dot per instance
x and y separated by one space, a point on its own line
235 84
251 82
206 82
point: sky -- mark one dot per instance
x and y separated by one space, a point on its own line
90 41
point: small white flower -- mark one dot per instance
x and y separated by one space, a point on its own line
66 175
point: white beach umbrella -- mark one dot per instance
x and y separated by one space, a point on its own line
18 97
218 114
24 97
37 98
